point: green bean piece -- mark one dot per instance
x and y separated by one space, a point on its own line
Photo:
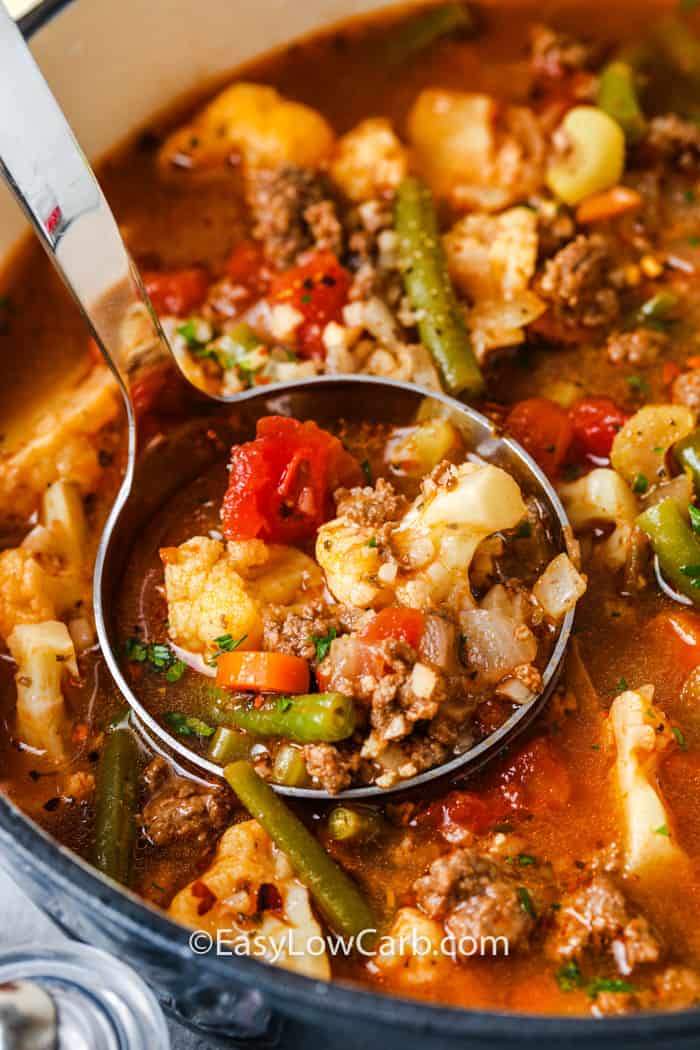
658 308
356 824
289 767
228 745
617 96
417 34
429 289
675 545
337 897
116 795
687 455
306 719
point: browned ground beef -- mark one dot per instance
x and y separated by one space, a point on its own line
639 347
292 210
686 389
373 505
596 916
182 809
555 54
333 770
286 631
673 140
475 896
576 283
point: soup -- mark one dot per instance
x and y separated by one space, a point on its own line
485 205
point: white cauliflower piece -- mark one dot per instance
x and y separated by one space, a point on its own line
440 533
413 954
44 655
369 160
63 444
246 859
255 121
351 563
640 733
213 590
600 498
26 591
474 151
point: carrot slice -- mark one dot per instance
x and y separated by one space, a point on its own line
263 672
600 207
678 634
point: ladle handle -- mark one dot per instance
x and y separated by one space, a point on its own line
55 186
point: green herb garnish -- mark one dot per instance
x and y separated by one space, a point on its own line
694 513
187 725
526 902
367 471
569 977
225 643
640 483
663 830
526 860
323 643
159 655
608 984
680 737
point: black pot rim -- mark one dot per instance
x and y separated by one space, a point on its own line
21 838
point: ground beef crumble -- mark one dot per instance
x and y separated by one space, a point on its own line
673 141
374 505
640 347
686 389
293 210
182 809
330 767
575 283
294 631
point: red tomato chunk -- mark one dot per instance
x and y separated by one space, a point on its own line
544 430
595 422
405 625
177 292
281 484
318 290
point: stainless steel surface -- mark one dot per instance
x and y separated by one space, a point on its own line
186 453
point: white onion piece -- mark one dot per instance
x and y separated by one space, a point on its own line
496 644
195 661
559 587
438 645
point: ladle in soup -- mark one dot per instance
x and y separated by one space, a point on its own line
51 179
173 474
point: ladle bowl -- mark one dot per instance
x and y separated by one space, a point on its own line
175 460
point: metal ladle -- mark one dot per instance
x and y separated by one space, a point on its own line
54 184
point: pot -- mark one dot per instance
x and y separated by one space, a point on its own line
112 66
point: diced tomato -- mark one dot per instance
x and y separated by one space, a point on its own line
281 483
247 266
543 428
595 422
318 290
464 809
177 292
406 625
535 778
677 634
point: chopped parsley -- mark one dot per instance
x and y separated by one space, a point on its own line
367 471
680 738
694 513
525 860
663 830
526 902
693 573
190 333
225 643
688 195
372 542
323 643
187 725
159 655
694 241
284 703
569 977
640 483
621 685
608 984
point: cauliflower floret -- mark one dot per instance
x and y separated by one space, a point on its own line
474 151
603 497
26 592
255 120
369 160
492 259
44 655
227 898
440 533
63 444
641 732
413 954
433 544
213 590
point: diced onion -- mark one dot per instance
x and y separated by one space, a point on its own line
559 587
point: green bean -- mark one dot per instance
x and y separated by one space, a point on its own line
289 767
358 824
657 309
306 719
675 545
227 745
337 897
116 793
687 455
417 34
617 96
429 289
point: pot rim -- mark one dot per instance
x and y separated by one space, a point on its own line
294 993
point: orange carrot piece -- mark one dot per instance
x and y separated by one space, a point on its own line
600 207
263 672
